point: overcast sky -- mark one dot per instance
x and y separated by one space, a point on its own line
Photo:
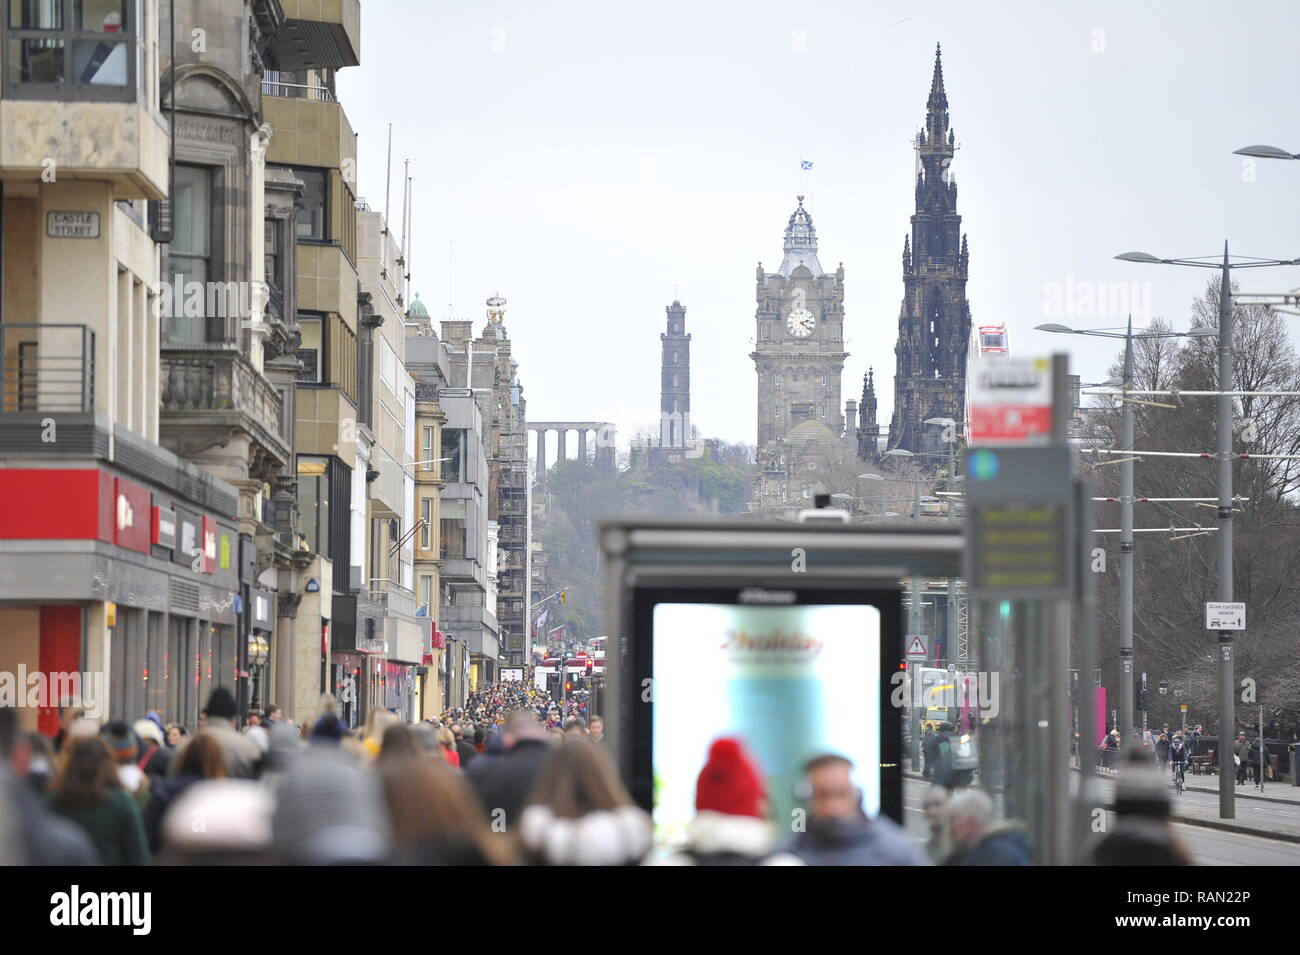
585 157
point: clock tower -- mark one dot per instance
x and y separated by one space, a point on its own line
798 356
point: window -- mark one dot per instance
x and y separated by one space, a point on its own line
426 593
189 253
426 526
314 503
271 251
70 49
313 215
451 527
387 364
426 451
310 351
453 445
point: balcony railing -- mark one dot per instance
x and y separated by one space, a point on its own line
392 596
298 91
209 386
46 367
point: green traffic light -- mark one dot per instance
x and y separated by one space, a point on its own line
1005 609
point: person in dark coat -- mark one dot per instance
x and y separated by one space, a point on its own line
1141 834
505 782
977 839
201 759
464 748
839 832
930 752
89 793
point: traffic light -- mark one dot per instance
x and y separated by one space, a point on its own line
590 666
1142 696
564 596
568 686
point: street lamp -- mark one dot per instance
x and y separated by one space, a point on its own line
1227 700
1126 506
1265 152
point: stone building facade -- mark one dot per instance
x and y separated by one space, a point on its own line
798 356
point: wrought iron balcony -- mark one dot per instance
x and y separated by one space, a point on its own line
46 367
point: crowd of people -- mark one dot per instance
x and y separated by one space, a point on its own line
513 777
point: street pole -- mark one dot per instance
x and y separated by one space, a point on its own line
915 629
1227 701
1126 551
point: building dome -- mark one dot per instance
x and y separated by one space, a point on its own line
810 431
417 309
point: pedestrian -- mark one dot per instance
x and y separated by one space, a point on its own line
176 735
34 835
242 756
456 834
503 782
200 760
330 810
1141 834
236 829
1241 753
125 748
934 805
447 744
1162 750
977 840
154 757
580 814
273 714
464 748
839 831
89 792
1257 756
732 823
930 753
596 728
399 745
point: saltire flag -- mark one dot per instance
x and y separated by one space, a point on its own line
541 617
805 164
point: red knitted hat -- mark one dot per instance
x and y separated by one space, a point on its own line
730 782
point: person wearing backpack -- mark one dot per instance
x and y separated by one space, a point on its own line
957 759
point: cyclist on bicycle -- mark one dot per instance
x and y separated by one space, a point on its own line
1178 756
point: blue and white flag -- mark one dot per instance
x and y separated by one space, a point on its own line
805 164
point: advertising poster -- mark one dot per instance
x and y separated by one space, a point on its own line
793 682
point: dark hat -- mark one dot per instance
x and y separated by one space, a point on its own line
221 704
121 740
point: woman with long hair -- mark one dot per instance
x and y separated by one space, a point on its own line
436 818
400 743
88 792
201 759
580 814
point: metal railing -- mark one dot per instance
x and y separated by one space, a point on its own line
298 91
46 367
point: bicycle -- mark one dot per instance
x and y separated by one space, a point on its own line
1179 777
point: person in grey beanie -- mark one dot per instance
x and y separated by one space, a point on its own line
329 811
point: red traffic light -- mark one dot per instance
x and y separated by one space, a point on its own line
568 686
590 665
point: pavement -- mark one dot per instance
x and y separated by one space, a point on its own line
1273 814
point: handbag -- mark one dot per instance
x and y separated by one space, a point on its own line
964 754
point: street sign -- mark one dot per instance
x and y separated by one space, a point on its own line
1017 522
1225 616
1011 402
916 647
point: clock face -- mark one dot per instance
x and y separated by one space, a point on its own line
800 323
